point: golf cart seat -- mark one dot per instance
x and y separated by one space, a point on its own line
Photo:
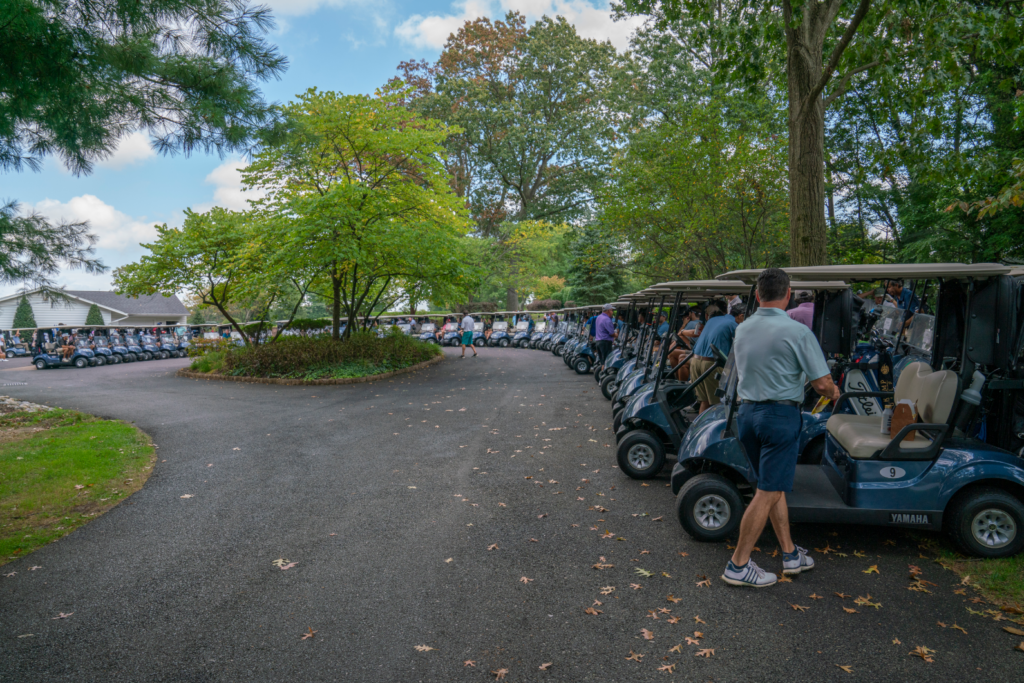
935 394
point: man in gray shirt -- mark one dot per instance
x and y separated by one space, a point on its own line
774 356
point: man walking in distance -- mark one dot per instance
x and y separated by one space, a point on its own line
774 354
467 334
604 333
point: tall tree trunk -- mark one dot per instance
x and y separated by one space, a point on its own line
512 299
336 307
807 232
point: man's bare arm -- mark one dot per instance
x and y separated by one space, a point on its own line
826 387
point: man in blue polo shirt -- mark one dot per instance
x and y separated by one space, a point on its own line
604 332
774 355
663 325
719 331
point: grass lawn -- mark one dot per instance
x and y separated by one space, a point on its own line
1000 581
60 469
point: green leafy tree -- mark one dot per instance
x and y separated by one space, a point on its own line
33 250
595 275
222 259
94 316
532 106
23 315
185 71
358 192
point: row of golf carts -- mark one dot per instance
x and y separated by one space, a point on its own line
97 346
959 469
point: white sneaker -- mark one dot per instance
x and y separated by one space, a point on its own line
748 575
797 562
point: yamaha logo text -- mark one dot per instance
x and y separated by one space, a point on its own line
903 518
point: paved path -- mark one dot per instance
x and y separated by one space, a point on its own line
388 496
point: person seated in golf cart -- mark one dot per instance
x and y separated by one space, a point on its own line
67 346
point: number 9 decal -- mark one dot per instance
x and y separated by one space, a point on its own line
892 472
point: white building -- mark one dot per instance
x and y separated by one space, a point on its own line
122 311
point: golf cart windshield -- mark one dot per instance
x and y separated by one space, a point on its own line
499 327
540 327
101 342
451 327
148 339
116 340
921 331
82 343
166 339
478 327
523 325
427 327
889 323
211 335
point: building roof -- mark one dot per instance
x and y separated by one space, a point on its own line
155 304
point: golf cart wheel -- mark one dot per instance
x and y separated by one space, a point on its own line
479 342
81 363
608 387
581 366
986 522
164 355
617 420
558 350
115 359
10 354
709 507
641 455
40 364
100 360
503 343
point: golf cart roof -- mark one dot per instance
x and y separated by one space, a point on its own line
881 271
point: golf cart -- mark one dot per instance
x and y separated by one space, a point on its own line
499 334
428 333
539 329
452 335
101 346
959 469
53 357
479 339
169 346
522 335
15 350
657 416
118 347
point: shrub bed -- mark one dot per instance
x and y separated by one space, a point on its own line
361 355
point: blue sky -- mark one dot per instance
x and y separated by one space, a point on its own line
344 45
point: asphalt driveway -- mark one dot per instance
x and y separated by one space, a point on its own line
472 508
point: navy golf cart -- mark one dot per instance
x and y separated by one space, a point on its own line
53 357
104 354
428 333
119 348
957 469
522 336
499 334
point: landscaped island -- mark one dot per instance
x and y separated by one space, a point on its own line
363 354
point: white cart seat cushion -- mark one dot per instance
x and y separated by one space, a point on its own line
935 394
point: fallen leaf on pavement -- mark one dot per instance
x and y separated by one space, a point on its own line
800 608
635 586
424 648
843 595
607 590
674 620
684 554
677 648
692 641
847 668
602 566
652 614
648 635
706 583
1014 631
866 602
784 579
493 546
307 636
873 569
959 628
591 610
698 620
673 599
187 495
923 652
849 610
707 652
280 562
525 580
634 657
940 624
469 662
62 615
545 666
542 516
1018 647
500 674
643 572
896 641
288 566
668 667
815 596
664 610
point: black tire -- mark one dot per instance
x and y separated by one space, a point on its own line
116 359
164 355
986 522
40 364
479 343
558 349
503 343
641 455
581 365
705 500
131 358
608 386
617 420
100 360
813 452
10 354
81 363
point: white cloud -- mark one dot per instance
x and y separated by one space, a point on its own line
115 230
591 20
228 192
297 8
130 150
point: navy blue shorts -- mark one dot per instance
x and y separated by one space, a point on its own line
770 434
